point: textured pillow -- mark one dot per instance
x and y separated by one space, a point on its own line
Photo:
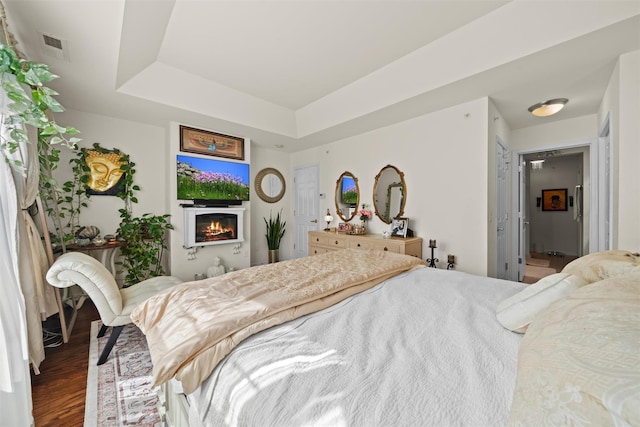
604 265
516 312
579 362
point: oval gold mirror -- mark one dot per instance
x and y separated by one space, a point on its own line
347 196
270 185
389 193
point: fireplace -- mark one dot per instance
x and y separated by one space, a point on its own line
213 226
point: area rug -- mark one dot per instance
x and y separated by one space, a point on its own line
119 392
538 262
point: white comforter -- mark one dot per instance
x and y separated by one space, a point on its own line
423 348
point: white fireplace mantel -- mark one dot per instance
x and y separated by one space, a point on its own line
190 220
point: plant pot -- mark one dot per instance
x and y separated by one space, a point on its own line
274 255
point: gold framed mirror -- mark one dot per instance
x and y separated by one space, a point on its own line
389 193
347 196
270 185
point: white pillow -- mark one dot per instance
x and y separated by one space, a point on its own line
518 311
604 265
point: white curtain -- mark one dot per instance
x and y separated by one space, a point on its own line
39 296
25 297
15 381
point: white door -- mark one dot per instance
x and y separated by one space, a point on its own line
502 211
523 222
306 207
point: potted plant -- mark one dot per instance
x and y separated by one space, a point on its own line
275 231
145 245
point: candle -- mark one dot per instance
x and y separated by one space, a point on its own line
432 243
451 259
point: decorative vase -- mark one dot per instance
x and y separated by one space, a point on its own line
363 224
273 255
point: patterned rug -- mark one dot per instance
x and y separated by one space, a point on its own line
119 392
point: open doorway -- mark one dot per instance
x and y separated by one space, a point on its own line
555 214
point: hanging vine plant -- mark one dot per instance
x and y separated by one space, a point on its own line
31 103
24 83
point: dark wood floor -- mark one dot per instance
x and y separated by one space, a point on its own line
59 391
556 262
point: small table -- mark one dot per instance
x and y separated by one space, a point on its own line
106 253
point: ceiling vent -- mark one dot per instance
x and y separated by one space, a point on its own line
54 47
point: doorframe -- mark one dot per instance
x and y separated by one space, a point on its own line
594 205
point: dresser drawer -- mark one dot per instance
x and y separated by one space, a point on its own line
317 250
388 245
361 244
319 240
337 242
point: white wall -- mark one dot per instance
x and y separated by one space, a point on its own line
260 159
622 101
562 132
146 145
444 159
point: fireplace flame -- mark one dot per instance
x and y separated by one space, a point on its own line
217 231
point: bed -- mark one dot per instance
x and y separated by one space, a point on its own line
414 346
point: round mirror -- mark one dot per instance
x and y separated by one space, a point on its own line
389 193
347 196
270 185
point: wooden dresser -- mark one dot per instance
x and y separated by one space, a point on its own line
324 241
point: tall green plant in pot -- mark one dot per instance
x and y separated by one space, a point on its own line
146 243
275 232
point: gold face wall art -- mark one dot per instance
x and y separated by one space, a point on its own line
105 173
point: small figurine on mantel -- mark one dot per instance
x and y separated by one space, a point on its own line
216 269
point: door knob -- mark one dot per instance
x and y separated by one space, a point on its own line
315 221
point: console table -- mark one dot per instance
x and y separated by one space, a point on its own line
105 253
324 241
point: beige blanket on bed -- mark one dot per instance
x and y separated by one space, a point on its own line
192 326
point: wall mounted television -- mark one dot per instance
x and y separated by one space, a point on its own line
212 182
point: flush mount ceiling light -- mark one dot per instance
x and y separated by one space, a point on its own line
548 108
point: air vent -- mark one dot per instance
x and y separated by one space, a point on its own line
54 47
51 41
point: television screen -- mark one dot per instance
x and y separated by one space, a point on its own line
349 191
201 179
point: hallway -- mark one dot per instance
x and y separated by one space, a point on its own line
540 265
